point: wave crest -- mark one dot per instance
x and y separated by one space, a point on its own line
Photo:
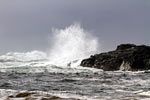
28 56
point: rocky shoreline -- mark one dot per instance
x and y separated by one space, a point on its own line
127 57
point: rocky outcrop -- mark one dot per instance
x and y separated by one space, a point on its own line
126 57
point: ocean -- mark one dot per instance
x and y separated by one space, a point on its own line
58 72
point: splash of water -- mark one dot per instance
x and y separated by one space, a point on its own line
70 44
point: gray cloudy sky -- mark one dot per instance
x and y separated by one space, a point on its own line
26 24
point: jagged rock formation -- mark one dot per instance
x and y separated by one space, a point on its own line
125 57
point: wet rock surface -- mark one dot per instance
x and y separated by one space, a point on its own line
35 96
128 57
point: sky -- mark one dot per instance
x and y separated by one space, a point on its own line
26 25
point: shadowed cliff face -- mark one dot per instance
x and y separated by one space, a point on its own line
125 57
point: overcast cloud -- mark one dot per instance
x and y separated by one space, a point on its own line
26 24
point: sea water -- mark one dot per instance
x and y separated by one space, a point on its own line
58 71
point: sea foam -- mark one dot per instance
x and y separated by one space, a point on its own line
71 44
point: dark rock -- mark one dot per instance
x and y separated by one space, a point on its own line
125 57
36 96
51 98
125 46
11 96
58 98
25 94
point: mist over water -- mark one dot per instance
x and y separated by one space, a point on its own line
72 43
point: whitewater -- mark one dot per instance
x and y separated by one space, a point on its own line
58 71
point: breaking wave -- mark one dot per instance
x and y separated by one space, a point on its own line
71 44
69 47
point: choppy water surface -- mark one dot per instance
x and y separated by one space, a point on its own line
90 84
